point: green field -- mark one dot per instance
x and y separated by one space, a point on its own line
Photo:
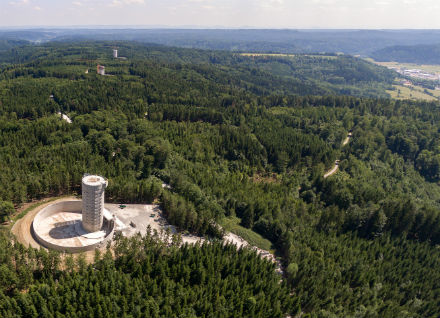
413 92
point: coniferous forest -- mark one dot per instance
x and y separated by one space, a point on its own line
235 137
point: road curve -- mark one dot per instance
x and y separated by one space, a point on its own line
336 166
347 139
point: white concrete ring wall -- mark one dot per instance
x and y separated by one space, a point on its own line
65 206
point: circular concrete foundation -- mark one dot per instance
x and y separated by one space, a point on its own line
58 226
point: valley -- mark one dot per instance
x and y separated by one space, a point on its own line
218 138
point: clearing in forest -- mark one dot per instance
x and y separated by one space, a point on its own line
413 92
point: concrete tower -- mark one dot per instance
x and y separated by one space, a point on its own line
115 53
93 202
100 69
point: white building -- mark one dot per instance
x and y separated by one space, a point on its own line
100 69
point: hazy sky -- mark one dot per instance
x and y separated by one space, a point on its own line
226 13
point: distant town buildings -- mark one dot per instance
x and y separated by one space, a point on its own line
100 69
420 74
416 73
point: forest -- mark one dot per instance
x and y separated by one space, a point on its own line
419 54
354 42
235 137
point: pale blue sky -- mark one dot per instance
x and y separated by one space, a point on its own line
226 13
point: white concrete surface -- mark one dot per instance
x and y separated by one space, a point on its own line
58 226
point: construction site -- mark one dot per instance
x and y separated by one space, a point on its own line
72 225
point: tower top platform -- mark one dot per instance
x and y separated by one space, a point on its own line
93 180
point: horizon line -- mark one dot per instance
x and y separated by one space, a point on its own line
196 27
